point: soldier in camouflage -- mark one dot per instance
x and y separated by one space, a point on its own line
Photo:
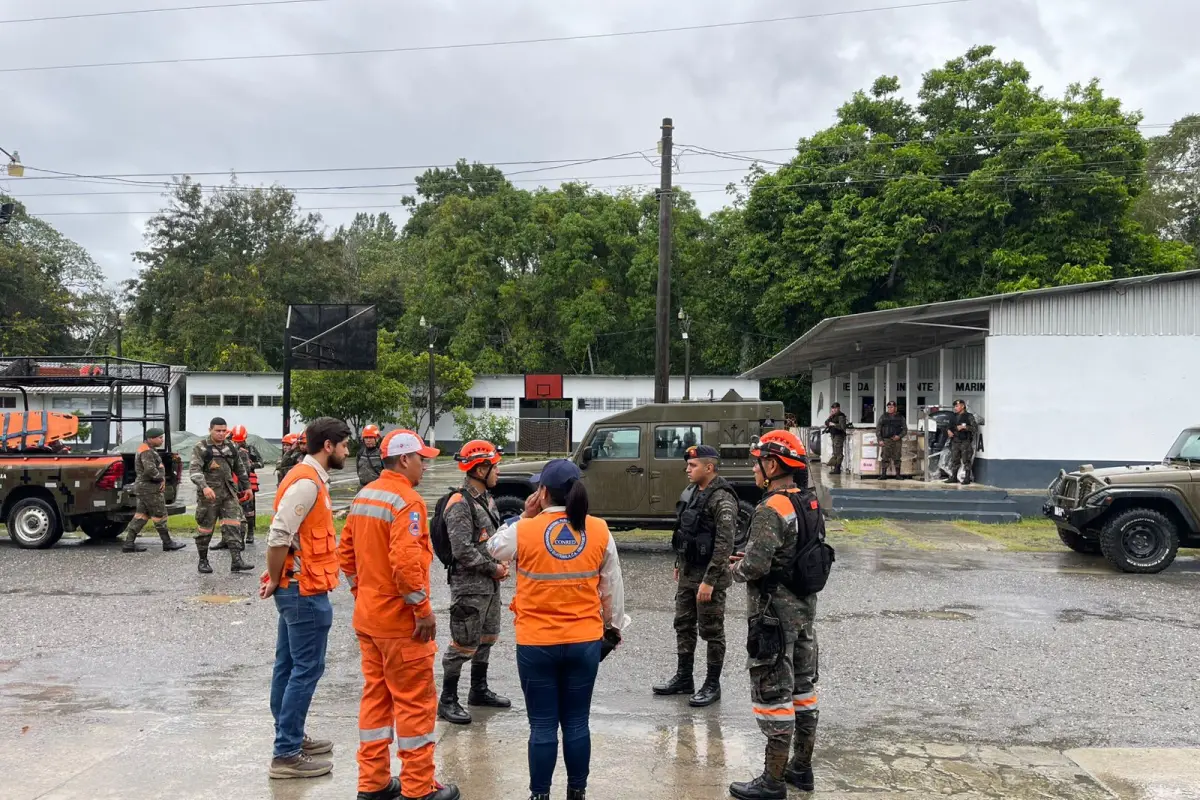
963 430
252 461
370 461
836 425
148 489
703 543
289 456
890 430
782 685
471 519
217 470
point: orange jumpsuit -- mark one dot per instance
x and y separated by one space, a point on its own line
386 554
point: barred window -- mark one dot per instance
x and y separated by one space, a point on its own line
478 402
508 403
8 402
206 399
239 399
618 403
590 404
271 400
644 401
494 402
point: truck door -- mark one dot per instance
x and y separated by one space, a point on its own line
616 476
668 478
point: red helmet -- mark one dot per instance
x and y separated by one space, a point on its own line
291 438
370 432
238 434
476 452
783 445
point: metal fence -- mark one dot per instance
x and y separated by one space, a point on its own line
543 436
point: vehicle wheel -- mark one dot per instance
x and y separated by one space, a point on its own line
1140 540
510 506
1079 544
745 511
33 524
103 531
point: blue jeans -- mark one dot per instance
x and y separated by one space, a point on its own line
557 681
303 633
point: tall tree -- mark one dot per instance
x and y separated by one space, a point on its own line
1171 206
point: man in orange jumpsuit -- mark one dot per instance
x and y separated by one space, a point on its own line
386 554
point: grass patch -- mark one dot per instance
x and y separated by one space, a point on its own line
1030 535
642 535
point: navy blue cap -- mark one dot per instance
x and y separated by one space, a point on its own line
701 451
558 474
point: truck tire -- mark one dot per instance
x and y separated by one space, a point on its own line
510 506
1079 544
1140 540
745 511
103 531
33 524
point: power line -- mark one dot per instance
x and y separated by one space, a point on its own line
492 44
132 12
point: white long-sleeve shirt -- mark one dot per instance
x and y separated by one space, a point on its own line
503 547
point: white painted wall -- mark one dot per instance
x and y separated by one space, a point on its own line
262 420
1090 398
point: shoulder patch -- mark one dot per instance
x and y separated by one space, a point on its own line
414 523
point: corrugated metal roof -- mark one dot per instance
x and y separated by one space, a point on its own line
858 341
1159 309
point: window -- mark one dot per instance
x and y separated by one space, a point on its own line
478 402
493 402
670 441
99 403
613 443
70 404
618 403
239 400
8 402
206 399
508 403
271 400
644 401
591 404
1187 446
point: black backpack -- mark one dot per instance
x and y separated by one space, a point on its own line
439 535
809 570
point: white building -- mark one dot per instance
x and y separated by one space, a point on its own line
1101 373
255 399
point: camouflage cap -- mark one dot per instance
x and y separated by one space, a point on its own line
701 451
154 433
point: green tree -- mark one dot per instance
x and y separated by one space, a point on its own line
494 428
358 397
452 381
1171 206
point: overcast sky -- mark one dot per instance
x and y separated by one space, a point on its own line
757 86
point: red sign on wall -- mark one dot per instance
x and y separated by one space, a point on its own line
543 387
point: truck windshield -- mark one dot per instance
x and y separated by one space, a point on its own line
1186 447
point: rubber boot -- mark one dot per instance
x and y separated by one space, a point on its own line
710 692
249 534
202 549
132 547
799 772
236 564
681 682
131 534
170 545
439 793
480 694
389 792
448 707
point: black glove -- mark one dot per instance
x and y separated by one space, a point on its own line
612 638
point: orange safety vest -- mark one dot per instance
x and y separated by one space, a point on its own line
318 538
557 599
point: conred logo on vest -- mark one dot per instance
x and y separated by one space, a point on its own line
562 542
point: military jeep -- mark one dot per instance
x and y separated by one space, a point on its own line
633 465
1138 517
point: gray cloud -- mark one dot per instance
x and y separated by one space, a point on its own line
748 87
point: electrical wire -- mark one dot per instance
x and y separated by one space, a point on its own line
132 12
491 44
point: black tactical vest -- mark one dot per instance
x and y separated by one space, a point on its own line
695 531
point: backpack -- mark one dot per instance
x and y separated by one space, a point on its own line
439 534
810 567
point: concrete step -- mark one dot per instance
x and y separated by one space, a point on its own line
915 515
883 504
933 494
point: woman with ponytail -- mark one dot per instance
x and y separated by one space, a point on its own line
570 610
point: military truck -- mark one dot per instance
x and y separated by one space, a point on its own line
633 464
1137 517
48 486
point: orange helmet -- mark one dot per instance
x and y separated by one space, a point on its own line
782 445
370 431
303 438
476 452
291 438
238 434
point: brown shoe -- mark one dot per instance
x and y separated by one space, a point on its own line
300 766
316 747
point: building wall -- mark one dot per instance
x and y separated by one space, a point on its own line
133 402
223 394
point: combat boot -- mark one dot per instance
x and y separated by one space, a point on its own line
220 545
710 692
439 793
132 547
389 792
202 549
763 787
236 564
170 545
681 682
249 534
480 694
448 707
800 776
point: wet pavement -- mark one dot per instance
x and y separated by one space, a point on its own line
952 673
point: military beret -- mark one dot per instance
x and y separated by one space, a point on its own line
152 433
701 451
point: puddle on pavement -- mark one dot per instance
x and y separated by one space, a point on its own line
942 614
222 599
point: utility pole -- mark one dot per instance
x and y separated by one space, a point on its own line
685 324
287 374
120 401
432 435
662 335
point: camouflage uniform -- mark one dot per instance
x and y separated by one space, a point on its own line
962 446
370 465
783 689
474 590
721 510
836 426
148 489
215 466
252 461
289 458
890 425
